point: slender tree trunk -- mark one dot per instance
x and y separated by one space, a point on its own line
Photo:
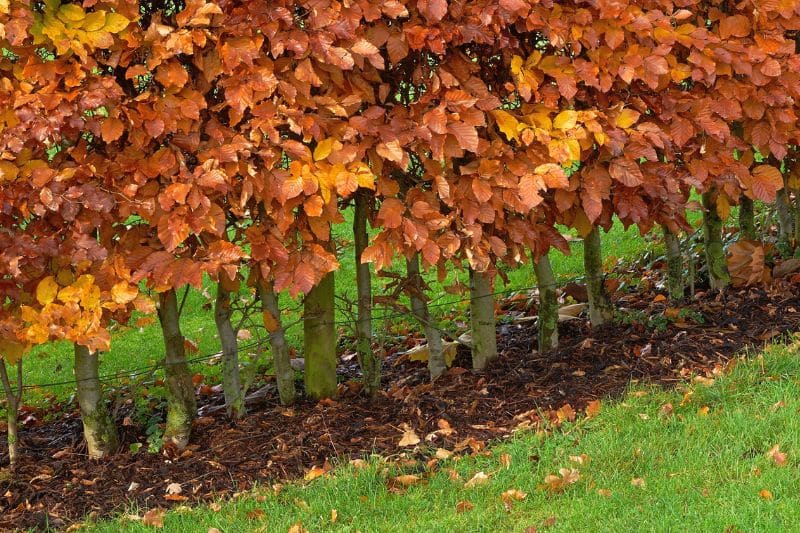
319 340
13 399
747 222
548 304
436 363
181 403
284 373
675 284
600 308
231 380
369 362
481 308
98 427
796 211
718 277
786 227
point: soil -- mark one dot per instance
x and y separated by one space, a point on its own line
56 485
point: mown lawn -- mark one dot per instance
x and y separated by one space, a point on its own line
135 348
700 458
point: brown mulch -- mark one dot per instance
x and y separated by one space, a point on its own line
55 484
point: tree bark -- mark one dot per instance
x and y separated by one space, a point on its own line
548 304
231 380
181 403
13 399
98 427
369 362
675 284
747 223
786 227
718 277
436 362
319 340
284 373
600 308
481 308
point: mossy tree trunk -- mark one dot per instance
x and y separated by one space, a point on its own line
675 284
99 430
747 220
13 400
600 308
231 379
319 339
284 373
181 403
481 307
369 362
436 362
718 276
548 304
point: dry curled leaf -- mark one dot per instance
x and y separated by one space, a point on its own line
464 506
558 483
154 518
478 479
512 495
638 482
776 455
410 438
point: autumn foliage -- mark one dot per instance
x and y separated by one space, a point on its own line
145 145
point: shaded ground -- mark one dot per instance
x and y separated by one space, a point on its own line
55 483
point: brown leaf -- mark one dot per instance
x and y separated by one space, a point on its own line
154 518
638 482
593 409
464 506
776 455
478 479
410 438
766 494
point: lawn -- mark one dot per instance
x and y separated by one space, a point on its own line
699 458
137 348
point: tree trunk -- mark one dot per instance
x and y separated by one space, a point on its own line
436 363
548 304
369 362
481 309
786 227
13 399
98 427
284 373
747 223
181 403
600 308
718 277
231 380
319 340
674 265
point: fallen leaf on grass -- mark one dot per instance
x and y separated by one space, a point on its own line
580 459
512 495
666 410
334 516
593 409
216 507
478 479
557 483
566 413
703 411
256 514
776 455
765 494
214 530
154 518
406 480
297 528
604 493
443 454
638 482
314 473
505 460
464 506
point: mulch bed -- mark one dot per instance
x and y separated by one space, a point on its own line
55 484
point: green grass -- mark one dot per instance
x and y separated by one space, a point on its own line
136 347
703 470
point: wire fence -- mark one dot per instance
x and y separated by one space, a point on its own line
261 343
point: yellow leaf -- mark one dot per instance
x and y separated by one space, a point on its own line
516 65
115 23
507 124
37 334
8 171
94 21
123 293
71 13
12 351
4 7
323 149
47 290
627 118
566 120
